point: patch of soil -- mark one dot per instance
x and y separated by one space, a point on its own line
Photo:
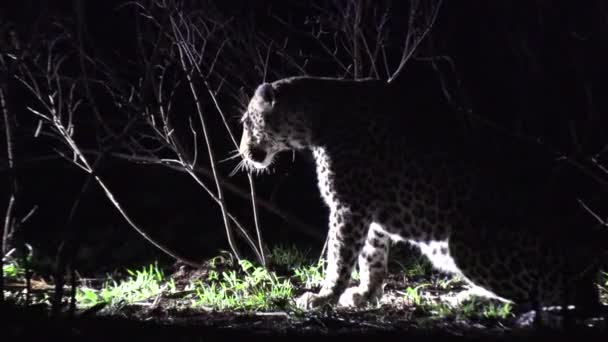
32 324
171 317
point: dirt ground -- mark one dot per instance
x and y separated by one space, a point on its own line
170 318
158 324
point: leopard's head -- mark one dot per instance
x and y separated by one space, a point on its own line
270 125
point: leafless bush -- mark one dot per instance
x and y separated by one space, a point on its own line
186 53
192 69
183 48
358 36
10 230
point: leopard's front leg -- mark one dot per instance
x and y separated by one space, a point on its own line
372 270
347 231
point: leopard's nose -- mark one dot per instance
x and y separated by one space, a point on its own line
257 154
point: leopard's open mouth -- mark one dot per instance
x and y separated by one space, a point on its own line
257 159
259 165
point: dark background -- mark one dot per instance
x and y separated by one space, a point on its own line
536 69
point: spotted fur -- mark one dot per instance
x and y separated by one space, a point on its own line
388 175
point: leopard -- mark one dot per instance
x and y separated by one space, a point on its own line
388 173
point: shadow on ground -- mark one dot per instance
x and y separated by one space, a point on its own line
20 324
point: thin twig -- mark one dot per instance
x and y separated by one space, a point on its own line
255 218
182 48
408 50
293 221
12 179
592 213
4 235
81 161
69 244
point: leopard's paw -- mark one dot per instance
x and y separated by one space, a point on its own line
311 300
358 297
352 297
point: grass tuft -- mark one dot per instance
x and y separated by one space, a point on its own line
13 270
140 285
287 256
250 288
310 276
228 285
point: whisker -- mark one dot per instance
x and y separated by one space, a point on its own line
230 158
269 169
246 166
237 168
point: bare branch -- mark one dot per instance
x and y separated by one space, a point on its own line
63 131
178 166
412 39
592 213
183 51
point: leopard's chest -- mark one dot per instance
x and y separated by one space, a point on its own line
326 179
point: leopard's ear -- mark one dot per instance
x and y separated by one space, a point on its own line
265 92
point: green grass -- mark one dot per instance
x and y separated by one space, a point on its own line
603 285
310 276
420 271
416 268
497 311
228 285
251 288
474 309
447 283
13 270
436 308
288 256
244 286
479 308
414 296
140 285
